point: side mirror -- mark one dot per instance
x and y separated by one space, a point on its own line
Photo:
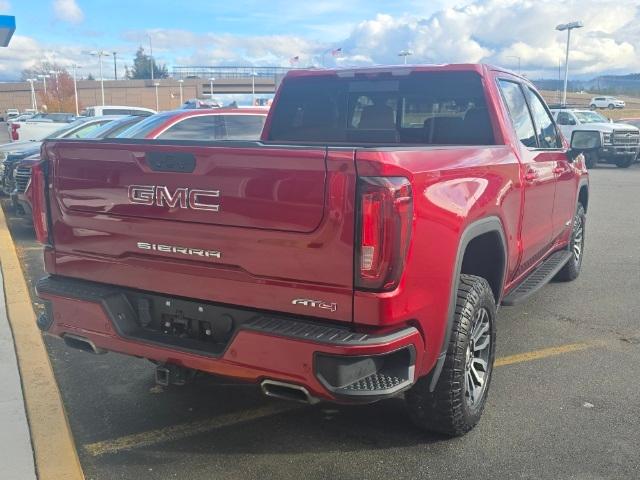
584 141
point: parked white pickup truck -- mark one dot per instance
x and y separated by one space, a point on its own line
620 142
39 126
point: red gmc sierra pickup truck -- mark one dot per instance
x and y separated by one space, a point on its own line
359 250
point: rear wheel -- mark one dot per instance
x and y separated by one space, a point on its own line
625 162
456 404
571 269
593 106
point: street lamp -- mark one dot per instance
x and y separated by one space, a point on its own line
151 57
405 54
253 88
34 103
100 54
181 82
75 86
211 80
44 81
157 84
568 27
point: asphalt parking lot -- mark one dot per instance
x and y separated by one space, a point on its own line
564 401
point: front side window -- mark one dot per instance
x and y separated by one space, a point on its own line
545 129
520 117
565 118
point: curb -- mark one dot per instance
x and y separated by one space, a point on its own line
54 448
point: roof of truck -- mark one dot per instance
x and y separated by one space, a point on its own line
399 70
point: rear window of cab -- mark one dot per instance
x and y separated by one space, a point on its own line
420 108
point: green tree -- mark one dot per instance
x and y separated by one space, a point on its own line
141 68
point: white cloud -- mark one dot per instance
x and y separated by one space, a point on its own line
68 11
497 31
5 6
493 31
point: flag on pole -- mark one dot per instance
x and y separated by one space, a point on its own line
294 60
336 52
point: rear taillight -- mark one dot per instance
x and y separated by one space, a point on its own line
14 131
385 214
37 196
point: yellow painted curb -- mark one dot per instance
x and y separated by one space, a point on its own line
55 451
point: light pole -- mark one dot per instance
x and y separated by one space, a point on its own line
157 84
180 83
100 54
75 86
115 66
151 57
405 54
44 81
517 58
211 80
253 88
34 103
568 27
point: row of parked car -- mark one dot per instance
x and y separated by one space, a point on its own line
18 157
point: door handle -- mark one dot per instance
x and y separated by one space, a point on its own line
530 176
559 170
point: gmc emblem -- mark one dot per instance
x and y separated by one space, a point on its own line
183 197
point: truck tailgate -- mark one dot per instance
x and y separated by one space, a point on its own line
246 225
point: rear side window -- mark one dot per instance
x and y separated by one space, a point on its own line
420 108
545 129
520 117
203 127
242 127
116 111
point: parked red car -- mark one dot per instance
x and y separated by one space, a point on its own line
358 251
203 125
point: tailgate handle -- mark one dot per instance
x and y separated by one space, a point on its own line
179 162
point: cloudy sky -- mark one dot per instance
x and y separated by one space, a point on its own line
270 32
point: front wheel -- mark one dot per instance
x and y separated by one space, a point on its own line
611 106
590 159
625 162
571 269
457 402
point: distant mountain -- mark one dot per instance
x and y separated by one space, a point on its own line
604 84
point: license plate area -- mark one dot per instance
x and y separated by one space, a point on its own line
188 325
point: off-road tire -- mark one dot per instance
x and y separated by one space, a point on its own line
625 162
590 159
447 409
611 106
593 106
571 269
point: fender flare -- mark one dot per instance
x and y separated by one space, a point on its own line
473 230
582 183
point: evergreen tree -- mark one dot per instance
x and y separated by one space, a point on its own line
141 68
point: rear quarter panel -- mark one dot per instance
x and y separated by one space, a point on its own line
452 188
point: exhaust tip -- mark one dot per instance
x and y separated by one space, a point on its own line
81 343
287 391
